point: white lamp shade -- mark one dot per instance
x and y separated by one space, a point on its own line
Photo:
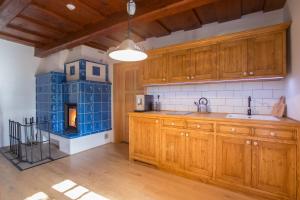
127 51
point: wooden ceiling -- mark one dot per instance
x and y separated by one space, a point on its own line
50 27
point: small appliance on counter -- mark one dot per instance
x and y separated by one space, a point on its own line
202 105
143 103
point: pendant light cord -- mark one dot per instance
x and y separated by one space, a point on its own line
129 28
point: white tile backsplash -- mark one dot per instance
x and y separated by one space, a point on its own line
231 97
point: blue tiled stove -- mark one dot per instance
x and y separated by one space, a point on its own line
85 85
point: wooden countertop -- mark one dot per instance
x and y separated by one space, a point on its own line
214 117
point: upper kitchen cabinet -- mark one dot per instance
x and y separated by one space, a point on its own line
204 63
179 66
155 69
233 59
258 53
266 55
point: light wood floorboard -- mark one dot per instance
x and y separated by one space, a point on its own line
106 171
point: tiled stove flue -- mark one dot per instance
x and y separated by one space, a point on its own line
76 102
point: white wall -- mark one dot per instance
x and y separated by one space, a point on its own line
17 84
293 81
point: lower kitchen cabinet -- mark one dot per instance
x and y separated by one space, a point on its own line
274 168
144 139
259 159
199 154
233 163
172 149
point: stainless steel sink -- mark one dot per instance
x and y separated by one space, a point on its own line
253 117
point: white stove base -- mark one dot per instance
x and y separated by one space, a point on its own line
76 145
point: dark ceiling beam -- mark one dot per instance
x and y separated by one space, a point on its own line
10 9
163 26
197 16
119 22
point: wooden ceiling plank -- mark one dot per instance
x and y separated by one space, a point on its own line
106 41
10 9
89 7
119 22
207 13
37 26
273 5
197 16
82 15
18 39
160 23
228 10
54 20
181 21
26 35
96 46
250 6
26 31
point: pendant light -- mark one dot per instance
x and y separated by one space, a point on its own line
128 51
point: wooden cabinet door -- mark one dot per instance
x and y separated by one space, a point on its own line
179 66
233 59
172 149
233 160
274 168
204 64
266 55
127 84
199 154
144 139
155 69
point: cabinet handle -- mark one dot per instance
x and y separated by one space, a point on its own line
187 135
198 126
232 129
188 78
192 77
164 79
272 134
156 121
182 134
248 142
245 73
172 123
251 73
255 143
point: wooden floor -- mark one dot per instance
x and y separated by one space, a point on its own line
107 172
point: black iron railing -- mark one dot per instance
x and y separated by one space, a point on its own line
28 140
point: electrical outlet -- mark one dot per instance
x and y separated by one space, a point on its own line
106 136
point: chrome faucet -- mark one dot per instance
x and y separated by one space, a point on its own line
249 106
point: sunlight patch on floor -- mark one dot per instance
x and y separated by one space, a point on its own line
38 196
92 196
64 186
75 191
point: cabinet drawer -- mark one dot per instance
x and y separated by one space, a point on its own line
200 125
283 134
176 123
233 129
